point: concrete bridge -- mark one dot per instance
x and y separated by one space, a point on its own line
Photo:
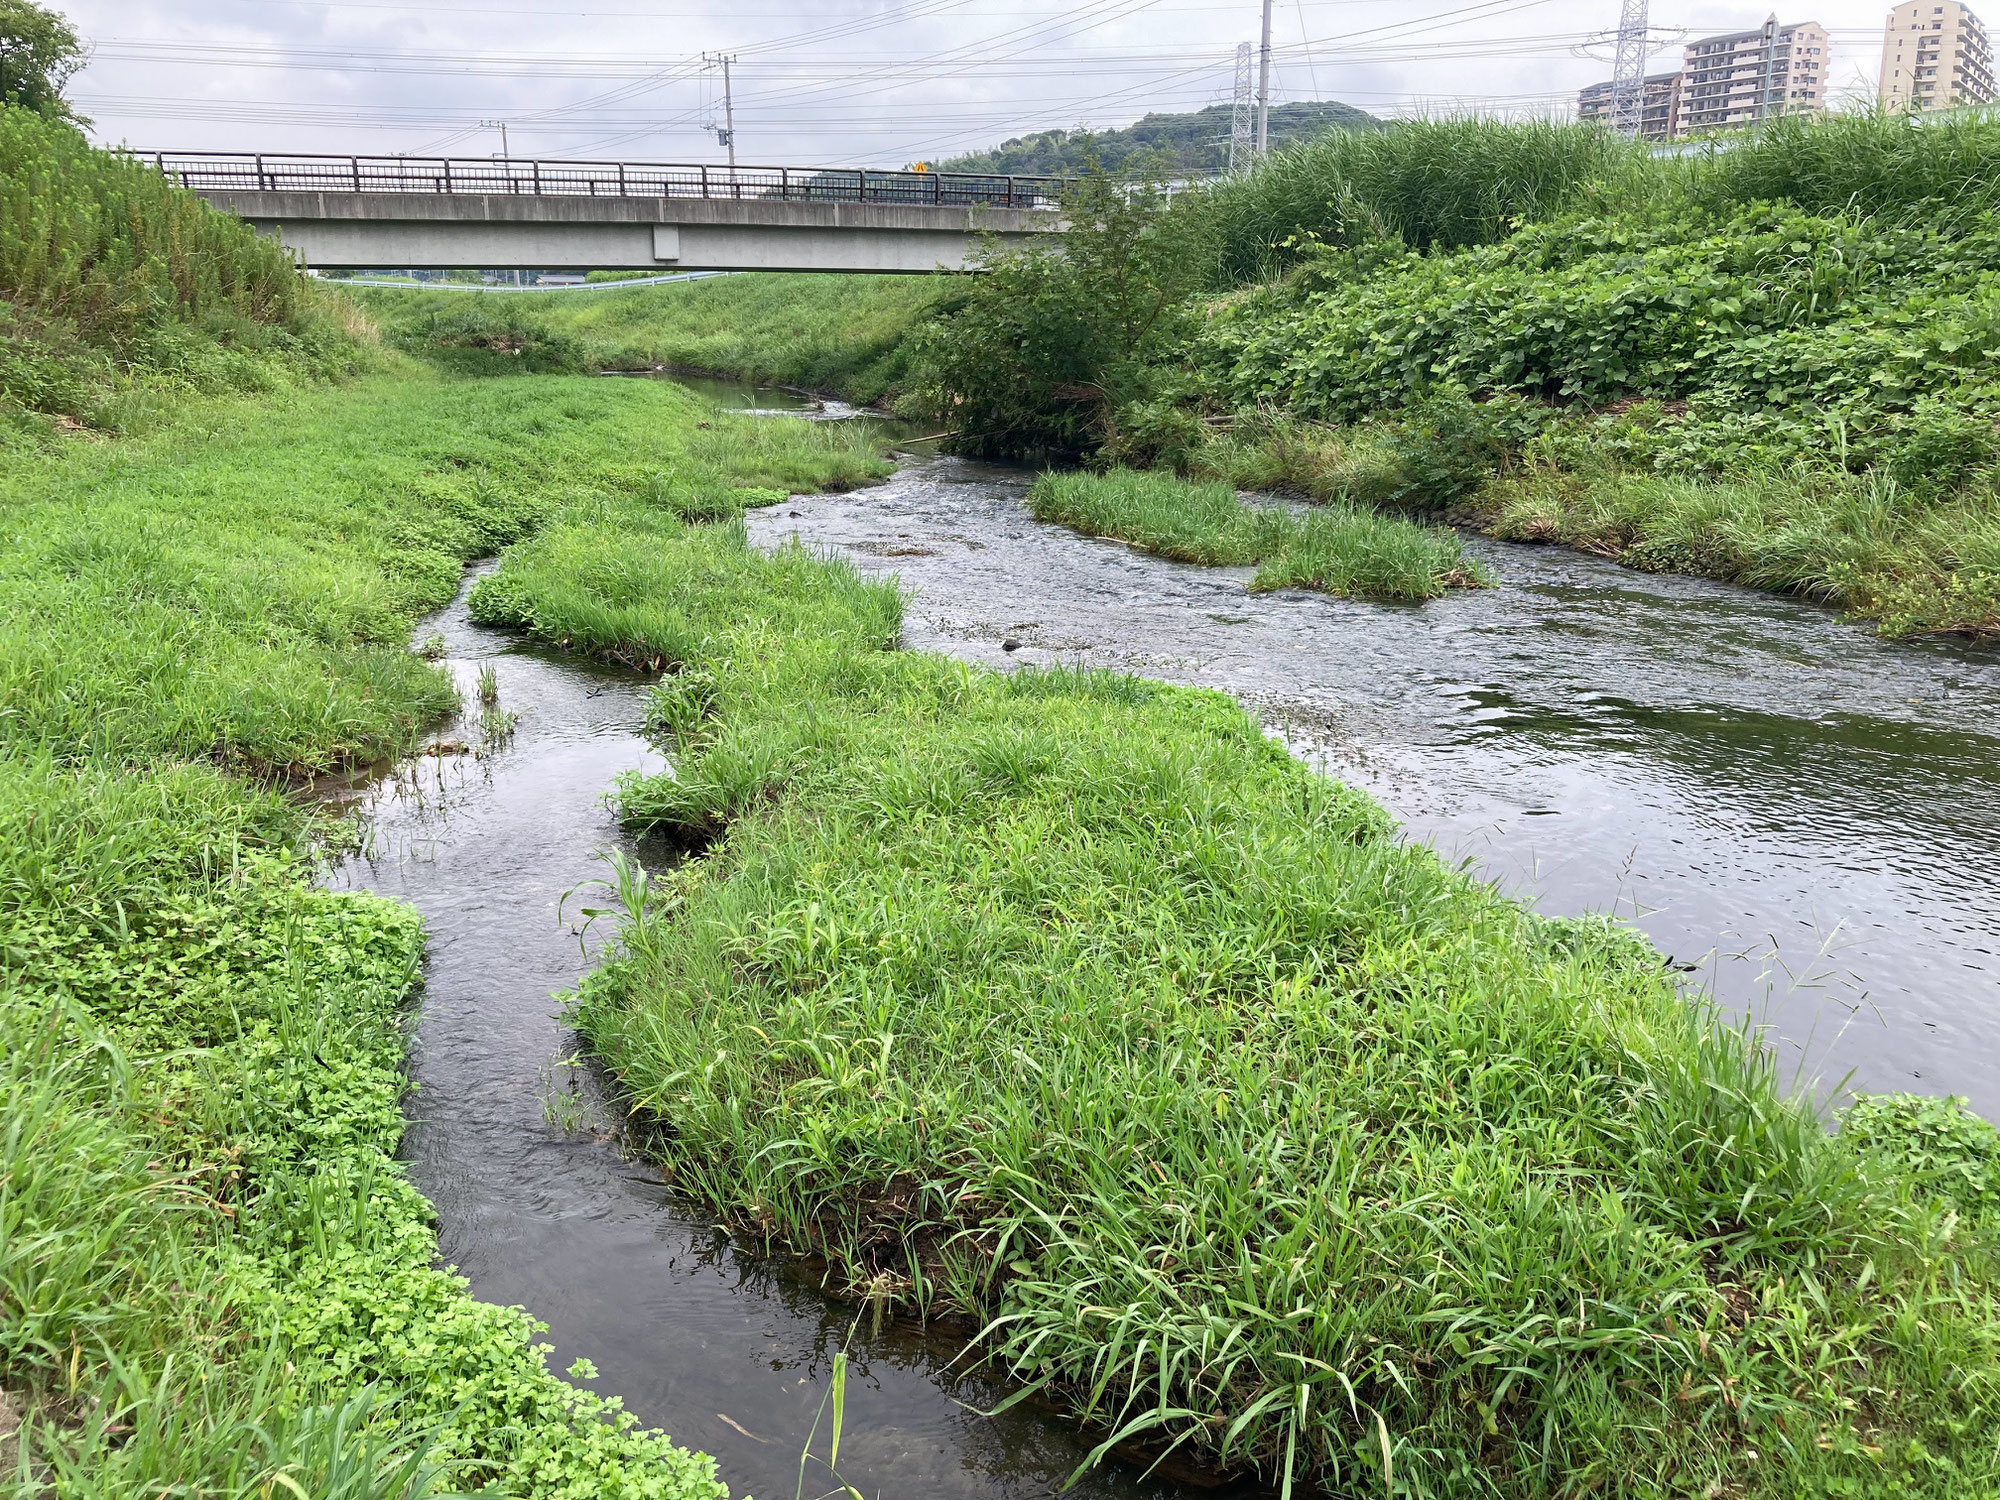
359 212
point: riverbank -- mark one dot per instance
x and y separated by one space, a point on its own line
843 336
1765 362
216 1270
1071 1004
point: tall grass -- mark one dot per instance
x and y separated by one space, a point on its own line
115 285
1911 562
1936 170
107 241
1067 1001
1449 183
1339 550
1444 183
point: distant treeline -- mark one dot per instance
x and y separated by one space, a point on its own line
1184 145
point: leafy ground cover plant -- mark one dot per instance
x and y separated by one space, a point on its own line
1067 1001
1338 550
214 1276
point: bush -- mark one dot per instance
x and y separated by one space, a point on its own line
1036 354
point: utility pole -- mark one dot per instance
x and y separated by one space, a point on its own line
726 135
1240 112
1264 88
1628 71
501 126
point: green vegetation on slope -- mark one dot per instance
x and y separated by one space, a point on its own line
1341 550
213 1271
1194 144
1771 361
843 334
1067 1001
119 292
1448 182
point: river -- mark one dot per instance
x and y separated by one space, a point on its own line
1807 818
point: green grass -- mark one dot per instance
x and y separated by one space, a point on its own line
842 334
1446 182
1341 550
213 1271
1067 1002
120 294
1910 562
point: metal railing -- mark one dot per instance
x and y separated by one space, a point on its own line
217 171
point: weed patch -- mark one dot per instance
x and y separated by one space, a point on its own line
1356 553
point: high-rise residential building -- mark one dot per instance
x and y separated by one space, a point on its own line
1659 106
1727 81
1748 76
1935 56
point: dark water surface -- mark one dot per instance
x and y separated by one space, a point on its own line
730 1353
1810 815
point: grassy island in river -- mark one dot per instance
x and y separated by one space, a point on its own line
1067 1002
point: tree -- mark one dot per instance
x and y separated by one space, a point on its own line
1038 352
39 52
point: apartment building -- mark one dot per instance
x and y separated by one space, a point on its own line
1935 56
1659 106
1728 81
1746 76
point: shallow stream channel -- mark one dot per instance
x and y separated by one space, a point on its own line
1805 817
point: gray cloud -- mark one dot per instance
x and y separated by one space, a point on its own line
876 83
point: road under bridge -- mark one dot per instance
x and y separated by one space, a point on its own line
435 213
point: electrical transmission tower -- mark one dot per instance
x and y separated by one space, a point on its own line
1628 70
1239 115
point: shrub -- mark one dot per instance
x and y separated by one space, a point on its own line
1036 354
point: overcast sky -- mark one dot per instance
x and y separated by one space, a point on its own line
865 82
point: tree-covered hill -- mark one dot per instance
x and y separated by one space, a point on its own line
1191 145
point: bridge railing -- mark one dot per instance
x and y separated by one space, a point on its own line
214 171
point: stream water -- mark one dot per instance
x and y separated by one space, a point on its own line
1805 815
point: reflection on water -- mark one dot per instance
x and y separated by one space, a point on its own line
1806 814
726 1350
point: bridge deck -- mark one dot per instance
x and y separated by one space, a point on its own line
358 213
